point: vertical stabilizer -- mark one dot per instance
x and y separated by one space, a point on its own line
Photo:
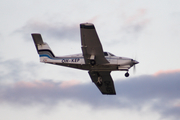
42 48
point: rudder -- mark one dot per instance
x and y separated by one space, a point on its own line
42 48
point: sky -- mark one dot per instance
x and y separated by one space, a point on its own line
148 31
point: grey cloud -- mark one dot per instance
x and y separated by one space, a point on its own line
55 31
131 32
15 70
133 26
160 91
161 86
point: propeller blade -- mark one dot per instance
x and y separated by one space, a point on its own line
134 68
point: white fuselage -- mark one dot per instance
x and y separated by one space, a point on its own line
77 61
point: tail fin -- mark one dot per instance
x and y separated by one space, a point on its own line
42 48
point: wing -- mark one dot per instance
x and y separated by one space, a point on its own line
91 45
104 82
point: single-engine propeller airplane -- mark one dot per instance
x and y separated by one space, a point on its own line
93 58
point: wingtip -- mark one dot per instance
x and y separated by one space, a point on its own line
35 34
87 26
113 93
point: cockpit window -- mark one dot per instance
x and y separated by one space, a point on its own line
111 54
105 54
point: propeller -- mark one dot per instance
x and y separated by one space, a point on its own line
134 69
134 65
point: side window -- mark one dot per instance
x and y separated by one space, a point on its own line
105 54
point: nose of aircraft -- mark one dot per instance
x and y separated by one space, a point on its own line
135 62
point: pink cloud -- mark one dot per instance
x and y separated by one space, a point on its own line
34 84
46 84
139 14
166 72
176 103
70 83
92 20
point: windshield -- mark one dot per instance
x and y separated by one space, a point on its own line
111 54
108 54
105 54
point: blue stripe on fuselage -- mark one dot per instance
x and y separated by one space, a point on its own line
45 56
57 58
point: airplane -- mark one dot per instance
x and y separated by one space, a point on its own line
97 62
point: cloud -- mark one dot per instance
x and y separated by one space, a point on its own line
166 72
13 70
57 31
70 83
134 25
161 92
